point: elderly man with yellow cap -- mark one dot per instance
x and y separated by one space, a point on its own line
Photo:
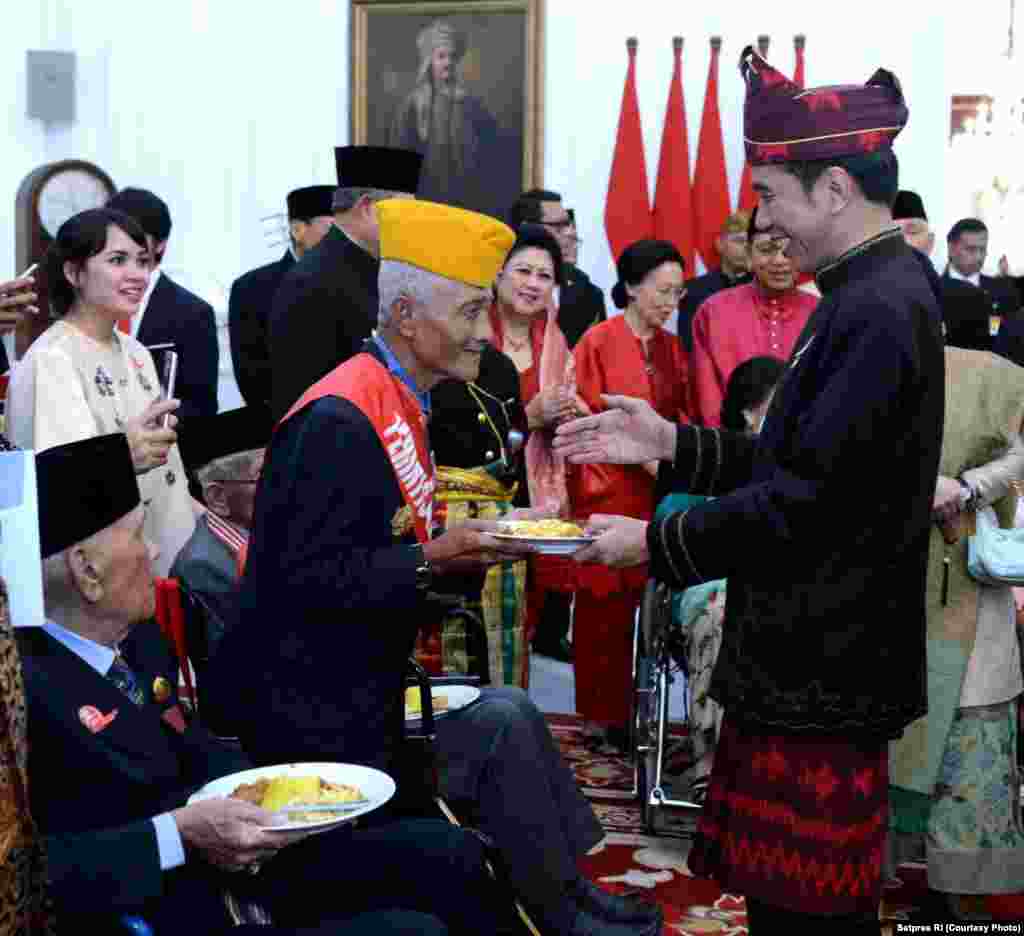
821 524
335 586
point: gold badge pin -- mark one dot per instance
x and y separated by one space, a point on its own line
161 689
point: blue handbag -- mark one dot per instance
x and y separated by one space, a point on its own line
995 556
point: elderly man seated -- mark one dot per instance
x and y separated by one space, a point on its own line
113 763
225 453
342 557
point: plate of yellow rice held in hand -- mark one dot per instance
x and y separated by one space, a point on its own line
550 536
444 699
310 797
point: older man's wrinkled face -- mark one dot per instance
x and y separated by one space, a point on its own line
918 234
124 562
241 492
448 337
442 64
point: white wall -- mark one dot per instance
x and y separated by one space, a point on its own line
222 107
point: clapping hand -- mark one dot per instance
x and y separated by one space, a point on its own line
629 432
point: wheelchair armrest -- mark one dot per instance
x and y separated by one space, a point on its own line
416 675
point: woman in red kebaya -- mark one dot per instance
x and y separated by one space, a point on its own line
635 355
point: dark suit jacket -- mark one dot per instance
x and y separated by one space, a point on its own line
324 310
252 296
93 795
580 305
1006 299
323 566
965 313
1001 292
176 315
697 290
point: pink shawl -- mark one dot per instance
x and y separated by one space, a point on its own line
545 471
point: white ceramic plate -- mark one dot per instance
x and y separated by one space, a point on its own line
549 545
458 697
376 786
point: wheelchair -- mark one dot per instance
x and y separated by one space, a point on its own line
659 659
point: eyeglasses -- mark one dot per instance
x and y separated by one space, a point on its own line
771 246
558 225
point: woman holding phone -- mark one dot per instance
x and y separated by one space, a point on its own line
84 377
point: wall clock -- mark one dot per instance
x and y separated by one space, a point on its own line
46 198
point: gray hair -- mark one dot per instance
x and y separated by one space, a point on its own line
399 280
57 586
232 467
345 198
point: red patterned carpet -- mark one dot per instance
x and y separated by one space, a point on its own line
634 860
631 859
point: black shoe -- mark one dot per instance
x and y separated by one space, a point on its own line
588 924
613 907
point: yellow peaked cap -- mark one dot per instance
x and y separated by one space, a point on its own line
451 242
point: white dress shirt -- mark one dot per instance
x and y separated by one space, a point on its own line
974 280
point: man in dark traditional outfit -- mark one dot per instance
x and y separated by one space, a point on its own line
326 305
310 216
821 524
112 760
341 556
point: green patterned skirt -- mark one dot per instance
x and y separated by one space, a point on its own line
975 841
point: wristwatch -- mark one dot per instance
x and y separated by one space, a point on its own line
424 570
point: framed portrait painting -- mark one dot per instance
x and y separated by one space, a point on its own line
461 82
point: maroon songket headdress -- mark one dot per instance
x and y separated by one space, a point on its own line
785 123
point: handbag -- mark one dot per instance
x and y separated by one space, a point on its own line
995 556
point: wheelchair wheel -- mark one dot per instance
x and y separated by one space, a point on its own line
650 693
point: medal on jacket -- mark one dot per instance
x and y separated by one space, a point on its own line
161 689
93 719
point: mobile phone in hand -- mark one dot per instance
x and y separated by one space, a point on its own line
166 360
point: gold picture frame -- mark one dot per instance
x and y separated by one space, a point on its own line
491 118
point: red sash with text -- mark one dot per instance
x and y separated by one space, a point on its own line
396 415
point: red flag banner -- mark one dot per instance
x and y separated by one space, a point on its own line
710 181
798 74
627 211
673 205
747 198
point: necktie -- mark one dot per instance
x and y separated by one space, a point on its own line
121 675
125 325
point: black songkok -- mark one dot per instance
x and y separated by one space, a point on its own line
83 487
378 167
